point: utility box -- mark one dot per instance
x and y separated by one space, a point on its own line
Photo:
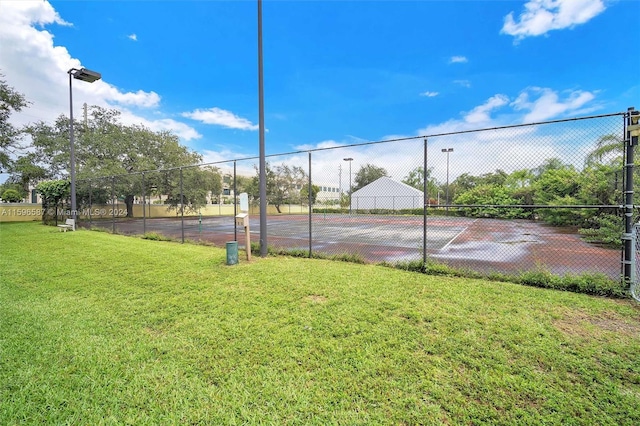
232 252
242 219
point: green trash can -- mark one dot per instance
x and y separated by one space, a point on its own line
232 252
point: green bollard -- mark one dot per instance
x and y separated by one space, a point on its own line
232 252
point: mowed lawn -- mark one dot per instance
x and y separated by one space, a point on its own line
106 329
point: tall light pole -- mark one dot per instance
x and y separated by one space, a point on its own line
262 161
88 76
349 159
448 151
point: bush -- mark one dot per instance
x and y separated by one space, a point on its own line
606 229
11 196
588 283
156 237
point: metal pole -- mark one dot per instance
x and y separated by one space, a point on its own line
235 203
350 187
630 143
181 207
447 194
144 207
113 204
90 205
447 151
310 207
263 174
72 152
424 209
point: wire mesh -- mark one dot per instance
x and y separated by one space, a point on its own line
542 197
635 270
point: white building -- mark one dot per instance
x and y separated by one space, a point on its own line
388 194
327 193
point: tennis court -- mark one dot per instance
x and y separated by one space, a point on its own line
484 245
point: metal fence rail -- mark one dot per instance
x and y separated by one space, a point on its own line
499 200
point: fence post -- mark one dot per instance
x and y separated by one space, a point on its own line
113 204
90 205
310 207
181 207
425 200
144 207
631 140
634 269
235 203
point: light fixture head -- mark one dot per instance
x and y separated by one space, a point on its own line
86 75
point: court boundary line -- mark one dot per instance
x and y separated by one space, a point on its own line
457 235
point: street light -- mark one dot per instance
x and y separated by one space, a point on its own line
349 159
448 151
262 160
88 76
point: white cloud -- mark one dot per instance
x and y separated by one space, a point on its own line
139 98
458 60
533 104
508 149
133 37
548 104
26 13
480 115
511 148
429 94
463 83
220 117
182 130
222 160
542 16
34 66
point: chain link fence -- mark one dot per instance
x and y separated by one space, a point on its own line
545 196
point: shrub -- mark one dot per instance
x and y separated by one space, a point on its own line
606 229
156 237
11 196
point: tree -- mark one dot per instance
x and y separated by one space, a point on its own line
465 182
8 184
197 184
105 147
25 172
10 136
243 184
416 177
304 193
54 194
558 186
366 174
11 196
487 194
284 184
609 150
549 164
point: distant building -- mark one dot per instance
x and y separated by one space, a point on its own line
327 193
388 194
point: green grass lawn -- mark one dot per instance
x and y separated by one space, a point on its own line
105 329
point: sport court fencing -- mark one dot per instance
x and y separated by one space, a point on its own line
635 277
550 196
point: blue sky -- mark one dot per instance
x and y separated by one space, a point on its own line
335 72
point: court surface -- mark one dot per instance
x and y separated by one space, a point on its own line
486 245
